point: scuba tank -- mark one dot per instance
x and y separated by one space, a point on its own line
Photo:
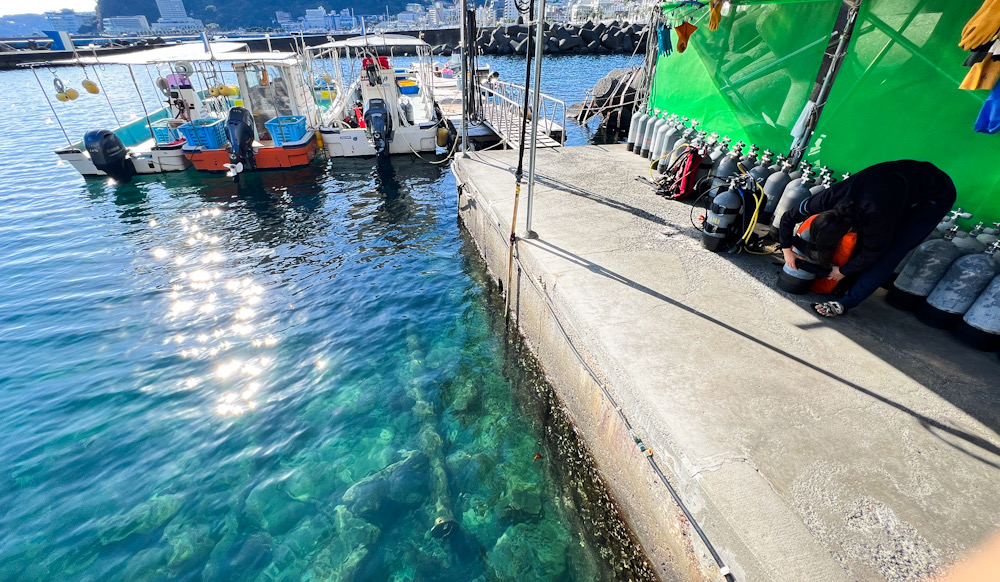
719 230
961 285
980 327
705 165
967 241
776 166
677 151
749 160
660 140
639 122
797 173
922 272
729 165
762 170
773 187
827 181
796 191
647 138
721 154
989 235
670 138
949 223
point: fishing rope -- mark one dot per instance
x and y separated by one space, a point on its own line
519 173
101 83
54 114
149 123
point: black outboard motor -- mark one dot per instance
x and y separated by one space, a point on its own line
378 123
109 155
239 130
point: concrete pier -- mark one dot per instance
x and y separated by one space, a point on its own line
860 448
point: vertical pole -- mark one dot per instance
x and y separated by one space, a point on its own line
149 122
463 41
535 114
54 114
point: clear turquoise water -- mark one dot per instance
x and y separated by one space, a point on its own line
290 379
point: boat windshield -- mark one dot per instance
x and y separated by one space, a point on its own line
267 93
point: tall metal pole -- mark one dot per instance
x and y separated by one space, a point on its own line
463 41
535 114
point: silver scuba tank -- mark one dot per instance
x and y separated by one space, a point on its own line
980 327
930 261
670 139
656 152
647 140
826 182
967 241
794 194
676 152
989 235
961 285
705 166
639 121
773 188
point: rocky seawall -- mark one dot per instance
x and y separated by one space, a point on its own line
602 38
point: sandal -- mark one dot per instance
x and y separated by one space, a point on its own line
829 308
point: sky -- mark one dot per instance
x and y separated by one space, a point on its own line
40 6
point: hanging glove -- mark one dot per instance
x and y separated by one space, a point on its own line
989 117
982 76
684 32
983 25
714 14
663 39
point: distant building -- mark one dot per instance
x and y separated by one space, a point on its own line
345 20
67 20
125 25
510 9
316 19
174 18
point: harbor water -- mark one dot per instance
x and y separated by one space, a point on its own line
305 376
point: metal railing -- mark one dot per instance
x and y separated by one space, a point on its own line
504 103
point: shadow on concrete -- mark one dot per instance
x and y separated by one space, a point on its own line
933 426
617 205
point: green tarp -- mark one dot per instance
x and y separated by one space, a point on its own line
896 95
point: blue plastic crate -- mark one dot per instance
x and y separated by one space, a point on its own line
286 128
210 134
165 131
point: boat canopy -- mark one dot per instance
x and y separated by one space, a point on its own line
264 58
375 40
191 51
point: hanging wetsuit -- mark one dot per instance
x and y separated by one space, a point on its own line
892 206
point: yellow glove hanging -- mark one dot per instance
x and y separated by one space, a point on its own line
983 25
714 14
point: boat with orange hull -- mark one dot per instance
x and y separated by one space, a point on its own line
266 157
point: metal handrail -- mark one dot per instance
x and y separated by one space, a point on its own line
506 101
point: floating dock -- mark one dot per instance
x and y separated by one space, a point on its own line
859 448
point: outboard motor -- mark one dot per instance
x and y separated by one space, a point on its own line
965 280
240 131
927 266
378 124
980 328
109 155
796 191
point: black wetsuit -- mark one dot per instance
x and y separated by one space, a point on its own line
893 206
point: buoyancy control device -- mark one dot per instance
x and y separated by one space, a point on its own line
378 126
731 215
109 155
240 131
961 285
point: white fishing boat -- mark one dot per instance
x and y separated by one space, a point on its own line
151 144
384 110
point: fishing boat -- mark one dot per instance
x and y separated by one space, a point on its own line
385 110
272 125
151 144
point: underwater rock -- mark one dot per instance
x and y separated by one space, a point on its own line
522 502
531 552
241 560
189 543
402 485
141 519
343 554
149 564
271 508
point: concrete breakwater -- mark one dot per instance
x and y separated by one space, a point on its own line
602 38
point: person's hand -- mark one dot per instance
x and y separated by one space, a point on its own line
790 258
835 274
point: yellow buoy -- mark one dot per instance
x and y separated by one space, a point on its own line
213 91
62 97
319 140
442 137
90 87
327 78
72 94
